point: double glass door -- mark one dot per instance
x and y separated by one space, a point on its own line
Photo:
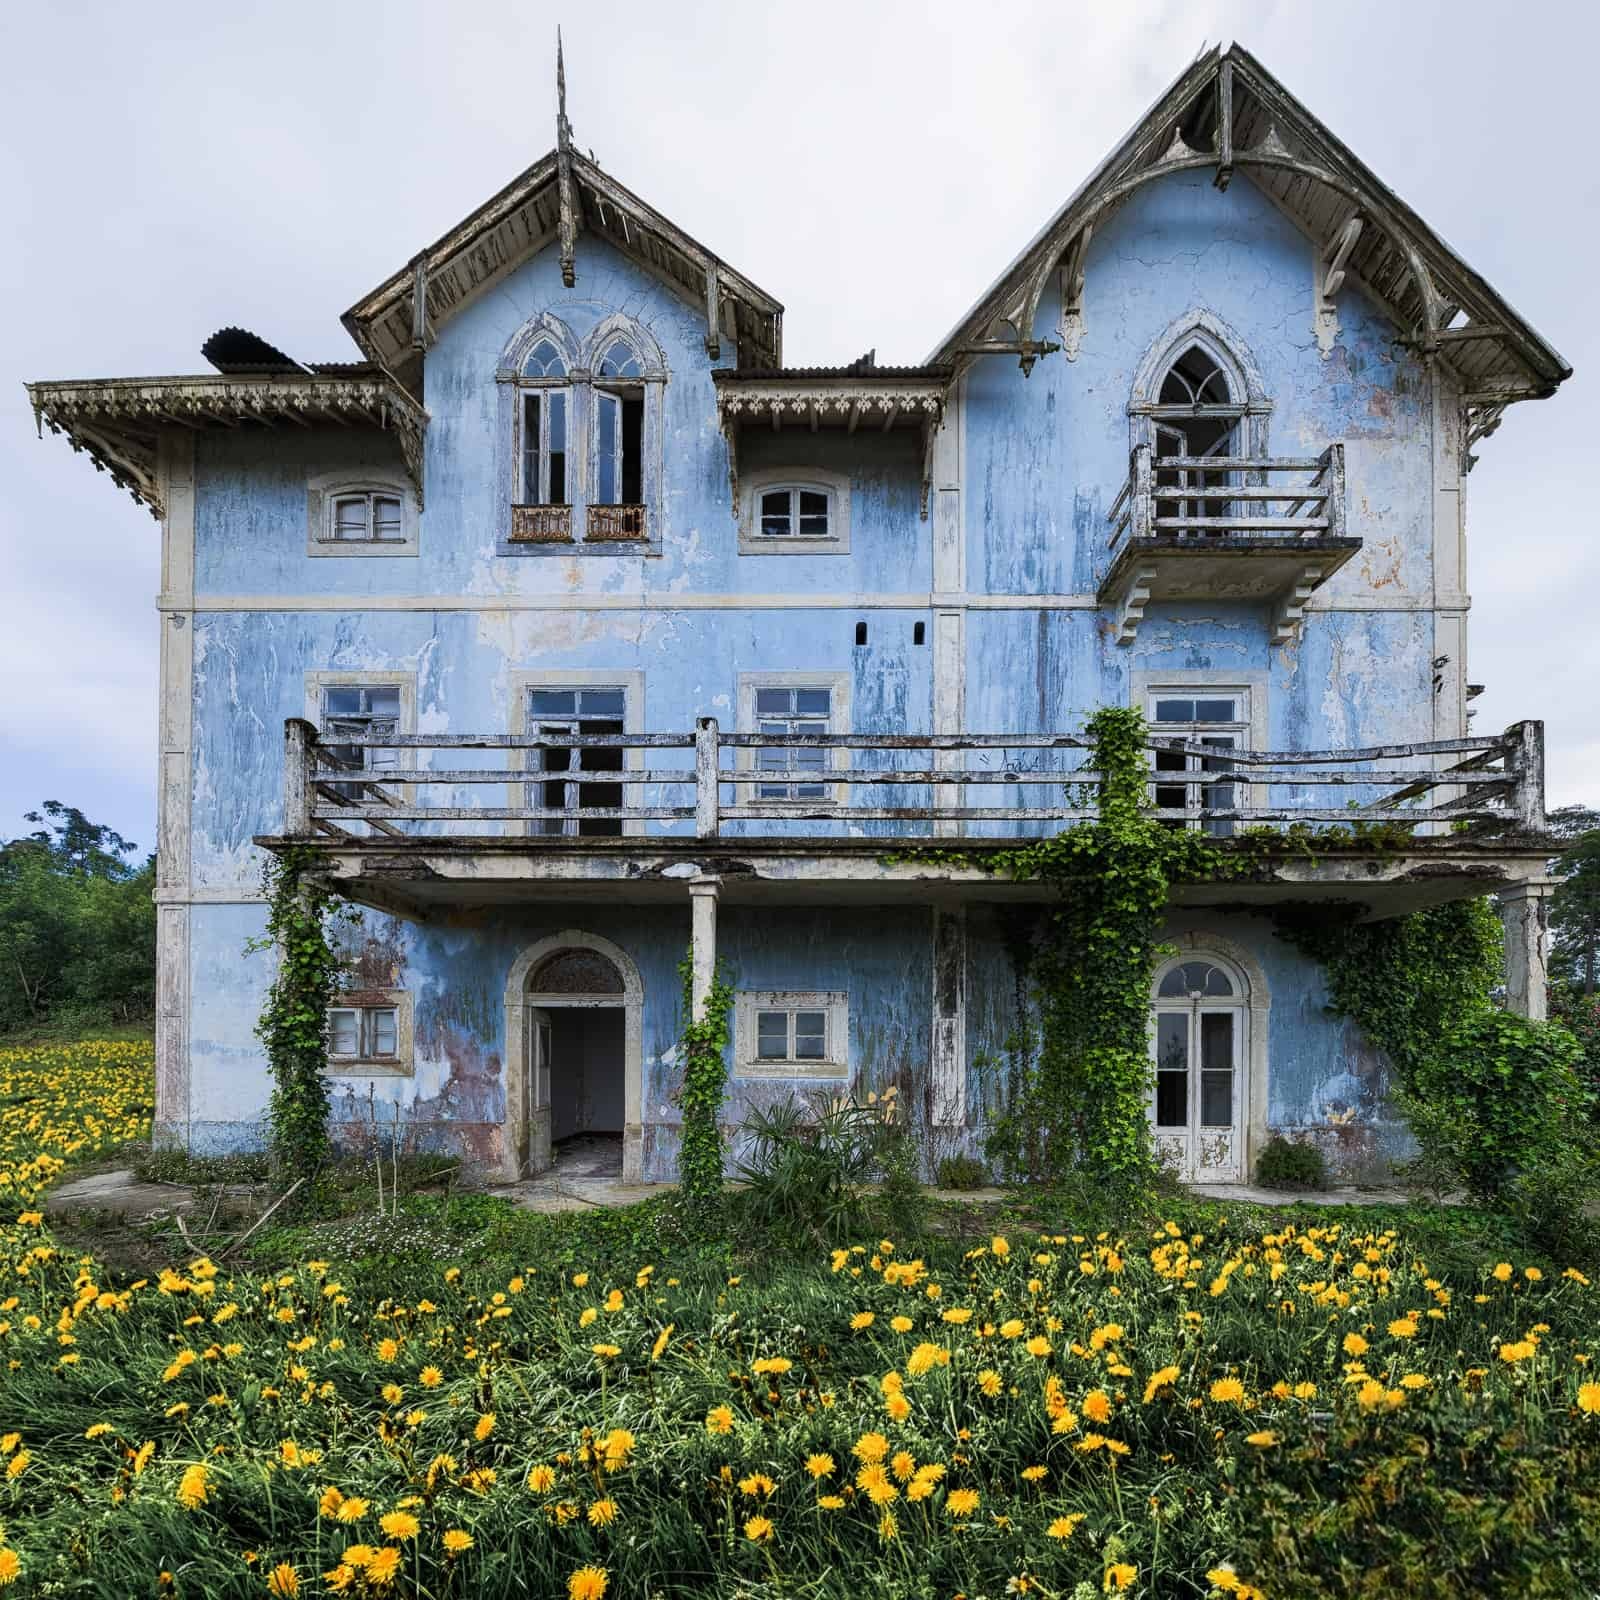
1198 1043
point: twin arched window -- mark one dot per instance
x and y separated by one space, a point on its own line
581 434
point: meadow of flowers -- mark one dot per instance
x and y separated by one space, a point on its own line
1263 1410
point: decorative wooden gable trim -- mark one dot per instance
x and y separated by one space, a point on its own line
560 195
1228 114
118 421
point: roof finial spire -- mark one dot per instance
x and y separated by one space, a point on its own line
567 222
563 127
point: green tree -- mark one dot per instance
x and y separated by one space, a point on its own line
1575 906
77 924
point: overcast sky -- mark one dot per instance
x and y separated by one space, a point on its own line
171 168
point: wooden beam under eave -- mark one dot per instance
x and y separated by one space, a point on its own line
777 422
855 414
892 417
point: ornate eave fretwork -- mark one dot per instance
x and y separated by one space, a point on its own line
1224 115
117 421
775 401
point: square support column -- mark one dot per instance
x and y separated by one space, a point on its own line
1522 914
703 893
949 1052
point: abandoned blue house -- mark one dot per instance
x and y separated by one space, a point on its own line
568 622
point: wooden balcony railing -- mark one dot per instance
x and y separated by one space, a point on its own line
614 524
887 785
1225 499
541 524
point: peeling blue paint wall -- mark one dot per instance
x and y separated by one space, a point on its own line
1043 458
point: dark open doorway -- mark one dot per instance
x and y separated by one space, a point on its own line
587 1085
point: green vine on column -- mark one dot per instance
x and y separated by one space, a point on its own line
703 1050
294 1021
1087 1095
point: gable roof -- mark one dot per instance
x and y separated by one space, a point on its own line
1227 113
560 193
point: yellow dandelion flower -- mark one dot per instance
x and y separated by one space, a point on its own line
283 1582
990 1382
456 1540
719 1419
1225 1390
352 1510
1038 1345
758 1529
1118 1576
1264 1439
1355 1345
870 1447
587 1583
384 1564
661 1341
758 1483
1502 1272
400 1525
430 1377
1403 1328
483 1427
18 1464
862 1319
1064 1527
771 1366
819 1466
541 1479
1097 1406
1589 1398
1034 1474
831 1502
961 1502
901 1324
898 1407
602 1513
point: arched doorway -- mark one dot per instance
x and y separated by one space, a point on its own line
1202 1047
574 1006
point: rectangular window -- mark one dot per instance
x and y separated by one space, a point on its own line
364 1033
796 512
544 447
558 714
360 711
793 1033
366 518
794 711
1218 719
619 452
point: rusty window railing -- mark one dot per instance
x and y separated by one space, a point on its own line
541 524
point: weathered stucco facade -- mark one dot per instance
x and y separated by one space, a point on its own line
968 583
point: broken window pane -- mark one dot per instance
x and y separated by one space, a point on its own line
619 361
775 513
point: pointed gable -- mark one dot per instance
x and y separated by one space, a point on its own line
1226 113
558 196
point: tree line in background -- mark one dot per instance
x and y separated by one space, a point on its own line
77 926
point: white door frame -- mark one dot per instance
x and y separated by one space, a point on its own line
520 1003
1253 1008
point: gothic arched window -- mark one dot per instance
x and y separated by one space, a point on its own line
1197 417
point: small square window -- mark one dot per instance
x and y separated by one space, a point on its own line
371 1034
786 1033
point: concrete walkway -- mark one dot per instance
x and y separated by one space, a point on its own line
1339 1195
582 1184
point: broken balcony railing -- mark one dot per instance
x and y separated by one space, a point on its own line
1227 498
710 783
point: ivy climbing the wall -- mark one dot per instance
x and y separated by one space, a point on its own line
1082 1104
294 1022
1408 981
703 1051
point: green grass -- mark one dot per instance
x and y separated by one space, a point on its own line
1373 1401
